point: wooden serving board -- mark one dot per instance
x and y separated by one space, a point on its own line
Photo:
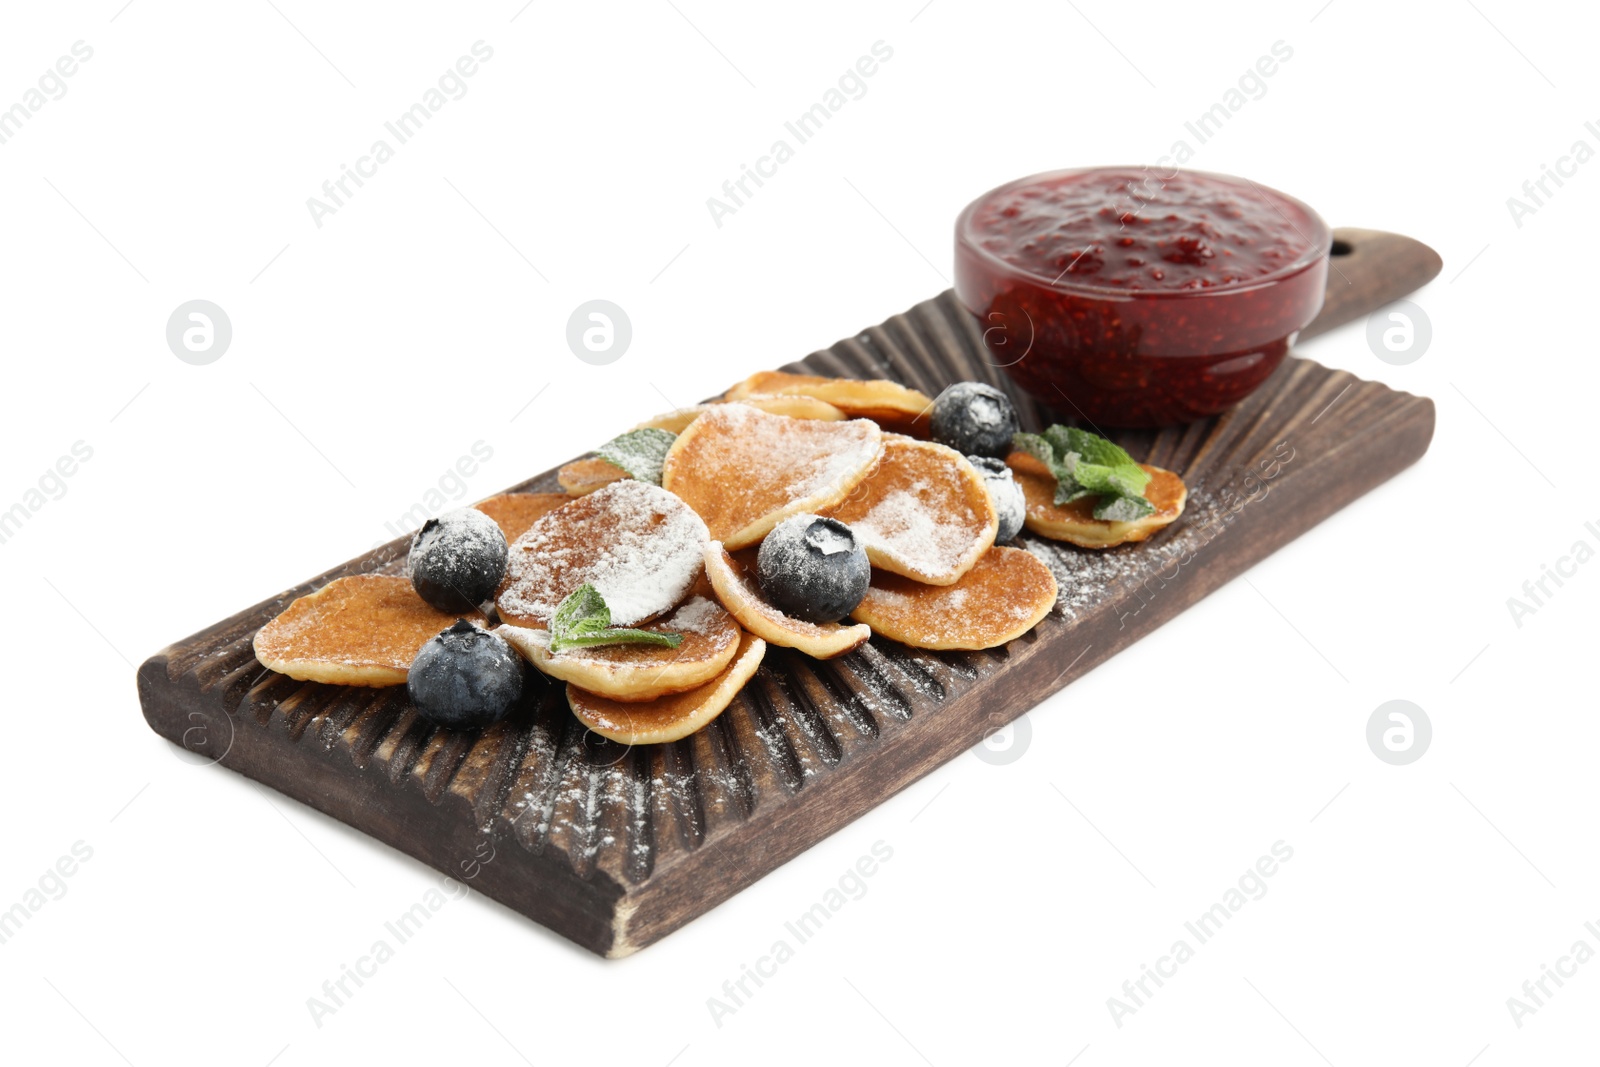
614 847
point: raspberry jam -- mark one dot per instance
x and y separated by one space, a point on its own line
1133 297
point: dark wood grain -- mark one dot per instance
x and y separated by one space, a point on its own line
614 847
1370 269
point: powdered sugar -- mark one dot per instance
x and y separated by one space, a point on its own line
637 544
696 615
1129 576
778 447
744 470
828 540
912 525
457 559
1006 493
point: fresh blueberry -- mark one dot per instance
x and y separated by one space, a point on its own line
1006 493
975 420
813 569
465 677
458 559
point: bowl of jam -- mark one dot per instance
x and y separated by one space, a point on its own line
1133 297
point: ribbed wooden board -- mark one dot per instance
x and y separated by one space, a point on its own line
615 848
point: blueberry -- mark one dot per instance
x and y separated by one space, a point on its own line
813 569
458 559
466 677
975 420
1006 493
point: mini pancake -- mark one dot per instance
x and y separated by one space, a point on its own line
515 512
363 629
583 476
740 596
745 471
794 405
924 512
890 404
668 718
636 543
1075 522
1001 598
641 672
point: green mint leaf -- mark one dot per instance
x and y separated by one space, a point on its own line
1108 481
582 620
1086 464
639 452
1097 450
1039 448
616 636
1123 508
1068 491
1061 439
1107 466
1042 449
581 611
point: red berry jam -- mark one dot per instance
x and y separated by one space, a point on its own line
1135 297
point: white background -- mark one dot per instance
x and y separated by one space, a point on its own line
369 354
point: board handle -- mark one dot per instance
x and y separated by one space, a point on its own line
1370 269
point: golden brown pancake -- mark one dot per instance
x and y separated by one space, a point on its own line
364 629
793 405
740 596
889 404
924 512
1001 598
641 672
744 471
515 512
668 718
583 476
1075 522
636 543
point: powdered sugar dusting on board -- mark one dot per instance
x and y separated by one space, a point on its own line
1087 578
639 545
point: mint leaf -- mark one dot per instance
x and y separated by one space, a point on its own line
1101 465
1086 464
1043 449
618 636
1123 508
1109 481
582 620
582 611
641 453
1060 438
1038 447
1096 449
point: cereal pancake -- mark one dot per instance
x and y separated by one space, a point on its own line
794 405
362 630
515 512
924 512
637 544
1075 522
636 672
890 404
668 718
999 599
741 596
744 471
583 476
